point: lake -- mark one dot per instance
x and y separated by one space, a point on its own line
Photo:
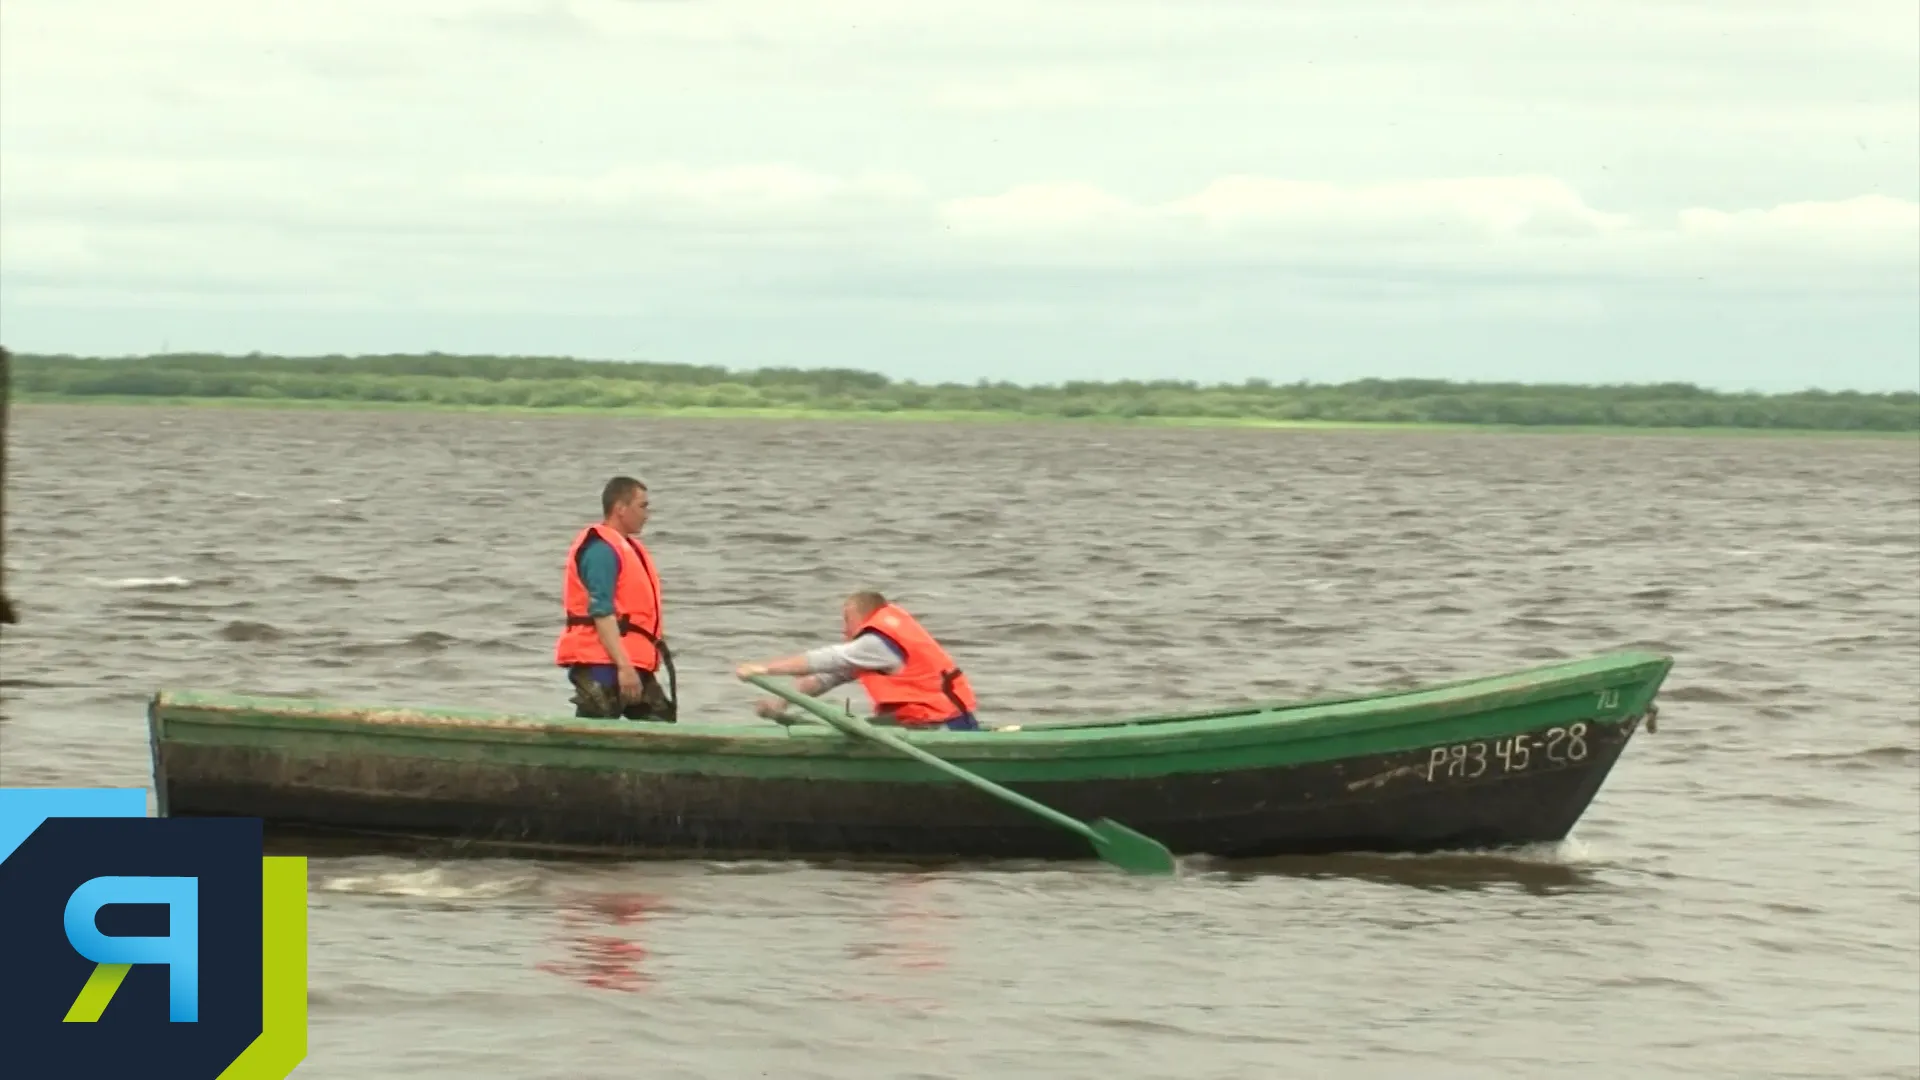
1742 899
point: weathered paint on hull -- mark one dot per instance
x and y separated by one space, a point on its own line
1495 791
1498 761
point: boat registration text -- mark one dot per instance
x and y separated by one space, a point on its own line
1470 760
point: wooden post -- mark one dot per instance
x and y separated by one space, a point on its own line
7 614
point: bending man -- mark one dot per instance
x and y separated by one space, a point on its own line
911 679
612 644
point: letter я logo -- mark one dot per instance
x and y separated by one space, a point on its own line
177 901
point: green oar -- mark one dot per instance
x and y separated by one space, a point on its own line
788 719
1112 841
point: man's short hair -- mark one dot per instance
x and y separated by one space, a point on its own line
618 490
867 601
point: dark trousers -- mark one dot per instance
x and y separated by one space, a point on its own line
597 695
963 722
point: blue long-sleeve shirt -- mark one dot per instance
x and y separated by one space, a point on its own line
599 567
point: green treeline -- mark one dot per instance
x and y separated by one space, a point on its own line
558 382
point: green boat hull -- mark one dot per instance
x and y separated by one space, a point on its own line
1483 763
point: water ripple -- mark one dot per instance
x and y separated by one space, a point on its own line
1739 902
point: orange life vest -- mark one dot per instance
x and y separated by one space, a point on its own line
929 688
636 605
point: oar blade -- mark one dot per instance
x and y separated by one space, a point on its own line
1133 852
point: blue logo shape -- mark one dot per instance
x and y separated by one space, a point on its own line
162 947
23 809
178 949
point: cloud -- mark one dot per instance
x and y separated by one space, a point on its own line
1444 228
1466 208
552 19
1473 206
1495 160
68 192
780 191
67 215
1864 224
1031 207
1028 90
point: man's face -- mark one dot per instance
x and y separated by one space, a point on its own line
849 620
633 513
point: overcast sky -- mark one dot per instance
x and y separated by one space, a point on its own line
1717 192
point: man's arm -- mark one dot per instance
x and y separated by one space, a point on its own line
831 665
815 685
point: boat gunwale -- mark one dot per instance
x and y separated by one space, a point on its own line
1221 729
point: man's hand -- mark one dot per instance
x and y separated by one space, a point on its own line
629 680
769 707
747 670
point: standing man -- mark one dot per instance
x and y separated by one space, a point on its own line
911 679
613 641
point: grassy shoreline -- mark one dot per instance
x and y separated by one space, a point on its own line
947 416
558 385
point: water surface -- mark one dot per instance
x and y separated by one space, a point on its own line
1742 900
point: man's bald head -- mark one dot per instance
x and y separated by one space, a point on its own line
858 607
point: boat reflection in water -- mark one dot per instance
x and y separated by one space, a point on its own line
601 939
597 959
913 944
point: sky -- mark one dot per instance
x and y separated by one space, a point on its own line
1643 190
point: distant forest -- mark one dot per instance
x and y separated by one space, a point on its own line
559 382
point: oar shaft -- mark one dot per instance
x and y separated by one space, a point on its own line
854 725
986 785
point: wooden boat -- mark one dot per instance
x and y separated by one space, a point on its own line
1505 760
